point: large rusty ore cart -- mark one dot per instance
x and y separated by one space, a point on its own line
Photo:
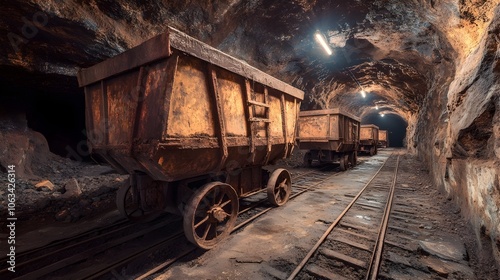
383 140
193 127
329 135
368 139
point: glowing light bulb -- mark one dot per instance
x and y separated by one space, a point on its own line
376 107
321 40
363 93
382 115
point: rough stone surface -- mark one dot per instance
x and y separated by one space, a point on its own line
446 268
48 187
23 148
449 250
62 215
45 184
72 188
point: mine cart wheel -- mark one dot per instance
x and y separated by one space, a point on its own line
279 187
307 160
210 214
372 151
344 162
128 203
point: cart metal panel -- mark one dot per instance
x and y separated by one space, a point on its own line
174 107
383 140
329 135
368 139
331 129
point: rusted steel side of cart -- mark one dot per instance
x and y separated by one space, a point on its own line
329 135
189 122
368 139
383 140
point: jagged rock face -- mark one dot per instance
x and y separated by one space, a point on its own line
435 63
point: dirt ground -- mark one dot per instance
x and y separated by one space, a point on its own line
50 189
270 247
273 242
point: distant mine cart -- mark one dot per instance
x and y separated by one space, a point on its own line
329 136
368 139
383 140
193 127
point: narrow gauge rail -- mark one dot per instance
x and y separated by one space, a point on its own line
76 253
411 223
31 255
301 184
350 245
53 260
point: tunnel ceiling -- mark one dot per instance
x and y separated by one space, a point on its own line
396 50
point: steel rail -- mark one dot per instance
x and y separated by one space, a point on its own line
62 242
379 245
247 221
308 256
102 271
69 246
237 227
90 252
148 250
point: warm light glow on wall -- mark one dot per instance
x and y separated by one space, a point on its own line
321 40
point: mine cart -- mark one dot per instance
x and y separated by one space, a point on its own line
329 136
368 139
383 141
193 127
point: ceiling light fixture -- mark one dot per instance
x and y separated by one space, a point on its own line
363 93
376 107
382 115
322 41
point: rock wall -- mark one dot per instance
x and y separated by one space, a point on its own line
22 147
463 110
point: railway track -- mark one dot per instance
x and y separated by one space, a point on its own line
415 231
87 256
382 232
353 244
46 262
301 183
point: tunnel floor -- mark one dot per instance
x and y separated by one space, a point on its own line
273 245
427 239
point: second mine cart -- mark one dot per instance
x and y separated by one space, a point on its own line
329 135
368 139
193 127
383 139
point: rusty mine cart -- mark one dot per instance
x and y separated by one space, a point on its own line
329 136
383 140
193 127
368 139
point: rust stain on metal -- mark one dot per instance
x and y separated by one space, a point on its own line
382 135
186 109
369 138
369 132
329 135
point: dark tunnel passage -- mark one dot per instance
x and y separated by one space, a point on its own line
394 124
57 112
